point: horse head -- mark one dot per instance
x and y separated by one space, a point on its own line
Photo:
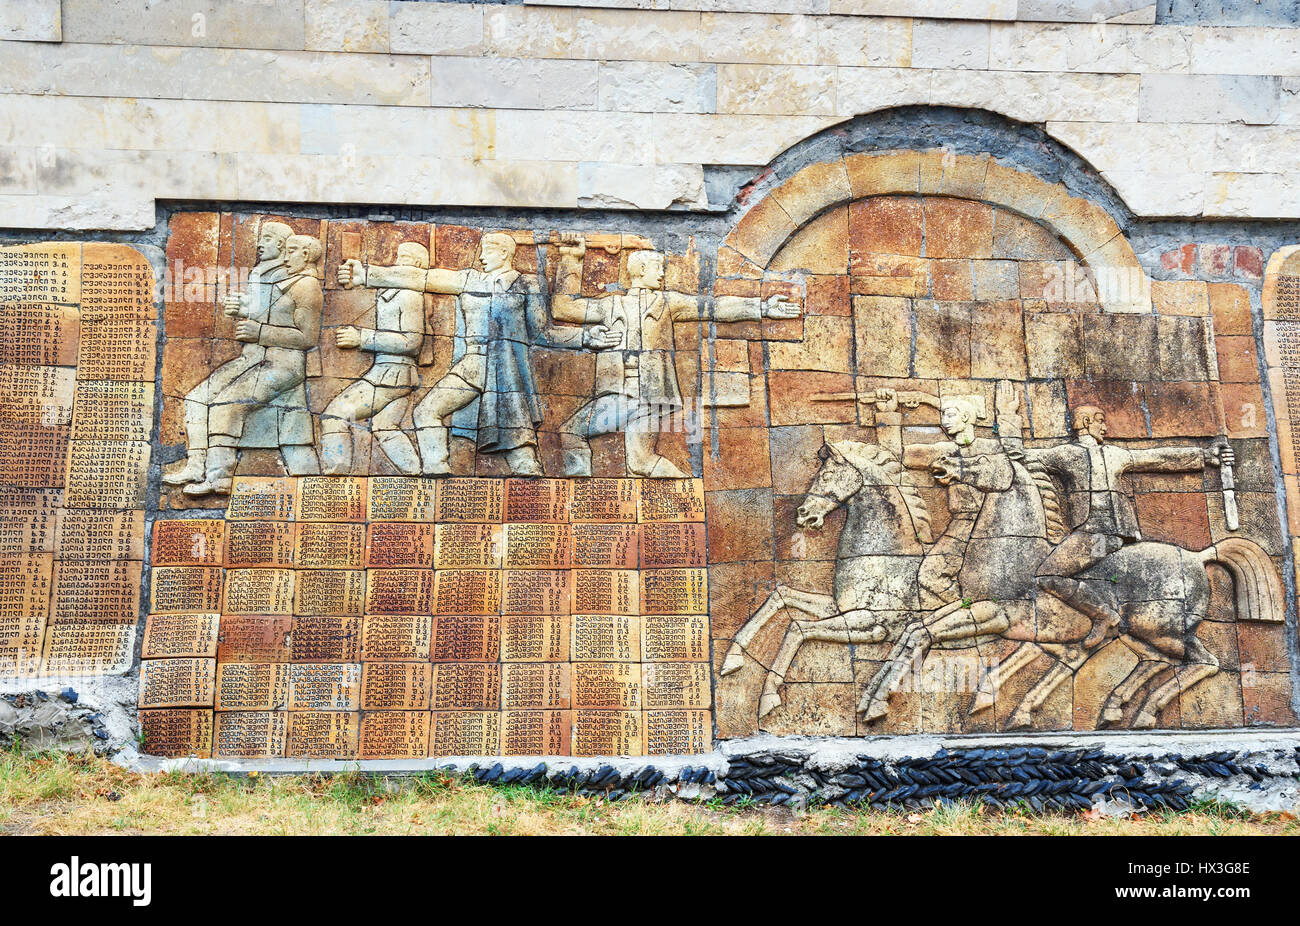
836 482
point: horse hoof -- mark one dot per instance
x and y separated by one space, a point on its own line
983 701
1144 721
1112 715
1020 721
767 704
873 710
734 661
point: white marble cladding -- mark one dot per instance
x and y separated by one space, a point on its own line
107 105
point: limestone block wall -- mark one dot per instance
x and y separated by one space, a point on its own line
108 106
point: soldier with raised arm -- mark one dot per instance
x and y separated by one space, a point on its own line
489 393
636 377
1102 516
253 304
381 395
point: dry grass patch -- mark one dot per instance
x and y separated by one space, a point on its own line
67 795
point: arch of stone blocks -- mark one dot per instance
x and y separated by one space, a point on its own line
1085 227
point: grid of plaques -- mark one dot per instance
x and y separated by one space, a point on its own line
400 617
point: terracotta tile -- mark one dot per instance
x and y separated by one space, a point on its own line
674 591
534 638
324 686
1179 518
998 341
175 589
253 638
943 339
1122 403
953 280
821 246
326 639
675 637
191 542
258 543
329 591
536 686
1237 362
1213 702
465 733
1018 238
176 733
249 734
1262 646
322 734
672 544
886 225
828 295
395 637
396 686
394 735
738 526
741 460
893 172
177 682
761 231
671 500
467 638
534 733
1183 409
400 499
958 228
1230 305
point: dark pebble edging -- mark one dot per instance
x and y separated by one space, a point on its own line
1068 780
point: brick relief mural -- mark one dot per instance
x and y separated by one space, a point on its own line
919 447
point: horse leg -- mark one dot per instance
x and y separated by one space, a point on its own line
1000 674
1068 659
1200 664
850 627
783 597
1143 672
951 622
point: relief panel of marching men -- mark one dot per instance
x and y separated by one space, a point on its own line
306 346
1002 496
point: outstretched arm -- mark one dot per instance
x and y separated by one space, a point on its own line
1167 460
353 273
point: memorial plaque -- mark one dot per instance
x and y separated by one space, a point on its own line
604 500
325 639
466 591
538 546
606 685
675 638
675 685
322 735
106 474
396 636
399 591
607 733
113 411
605 591
254 638
258 591
535 638
467 546
260 498
26 581
535 591
33 333
169 636
606 546
669 733
88 649
249 734
461 686
469 499
391 546
671 500
38 395
396 686
535 733
327 545
465 733
176 732
252 686
177 682
87 534
46 272
116 282
537 500
330 591
672 544
674 591
176 589
29 520
113 348
97 592
606 638
466 638
331 498
35 455
401 498
535 685
394 735
324 686
259 543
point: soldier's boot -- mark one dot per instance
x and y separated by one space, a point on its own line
1087 601
397 447
577 455
195 468
336 453
523 461
220 472
434 451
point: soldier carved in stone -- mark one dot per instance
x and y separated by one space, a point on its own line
279 320
636 377
1101 509
489 392
381 395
